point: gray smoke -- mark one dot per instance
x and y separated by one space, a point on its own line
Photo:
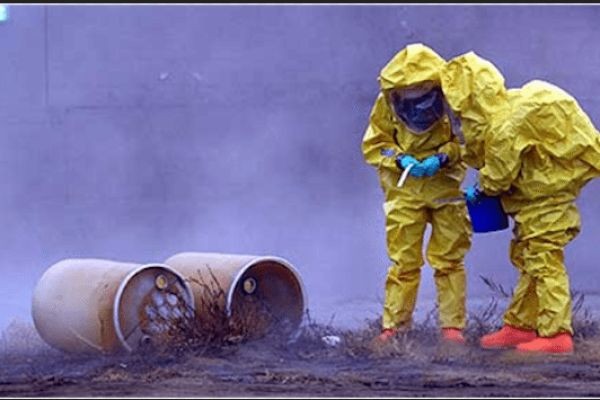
134 132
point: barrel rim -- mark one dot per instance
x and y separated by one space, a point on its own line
255 261
123 285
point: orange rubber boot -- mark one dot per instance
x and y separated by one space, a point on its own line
557 344
386 335
507 337
453 335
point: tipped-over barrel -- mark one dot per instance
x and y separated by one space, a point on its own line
258 293
93 305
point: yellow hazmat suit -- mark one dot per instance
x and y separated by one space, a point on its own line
536 148
409 208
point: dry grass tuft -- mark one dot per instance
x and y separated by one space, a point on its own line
212 331
584 325
421 341
356 344
212 328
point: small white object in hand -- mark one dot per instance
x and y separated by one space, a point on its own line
404 175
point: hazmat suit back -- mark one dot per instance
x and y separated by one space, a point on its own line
536 148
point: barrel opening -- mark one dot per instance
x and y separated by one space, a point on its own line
153 306
267 296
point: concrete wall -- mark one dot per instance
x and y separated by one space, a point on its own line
133 132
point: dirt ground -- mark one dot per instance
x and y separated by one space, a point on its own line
413 365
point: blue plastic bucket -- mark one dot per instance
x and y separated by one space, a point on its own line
487 214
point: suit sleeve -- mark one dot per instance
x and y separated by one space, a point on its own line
378 145
502 162
452 149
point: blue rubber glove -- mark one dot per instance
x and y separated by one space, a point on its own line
432 164
473 193
403 161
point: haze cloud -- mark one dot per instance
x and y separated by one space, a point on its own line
134 132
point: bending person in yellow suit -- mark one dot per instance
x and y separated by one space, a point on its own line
409 132
536 148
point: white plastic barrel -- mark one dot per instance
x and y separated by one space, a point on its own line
95 305
252 287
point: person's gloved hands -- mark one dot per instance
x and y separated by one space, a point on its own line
432 164
403 161
473 193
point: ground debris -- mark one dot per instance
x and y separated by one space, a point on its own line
233 363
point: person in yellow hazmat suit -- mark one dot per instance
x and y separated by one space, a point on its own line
535 148
409 134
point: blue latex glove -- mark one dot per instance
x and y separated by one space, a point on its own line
432 164
403 161
473 193
418 170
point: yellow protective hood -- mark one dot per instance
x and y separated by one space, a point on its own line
475 91
414 64
536 140
551 120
